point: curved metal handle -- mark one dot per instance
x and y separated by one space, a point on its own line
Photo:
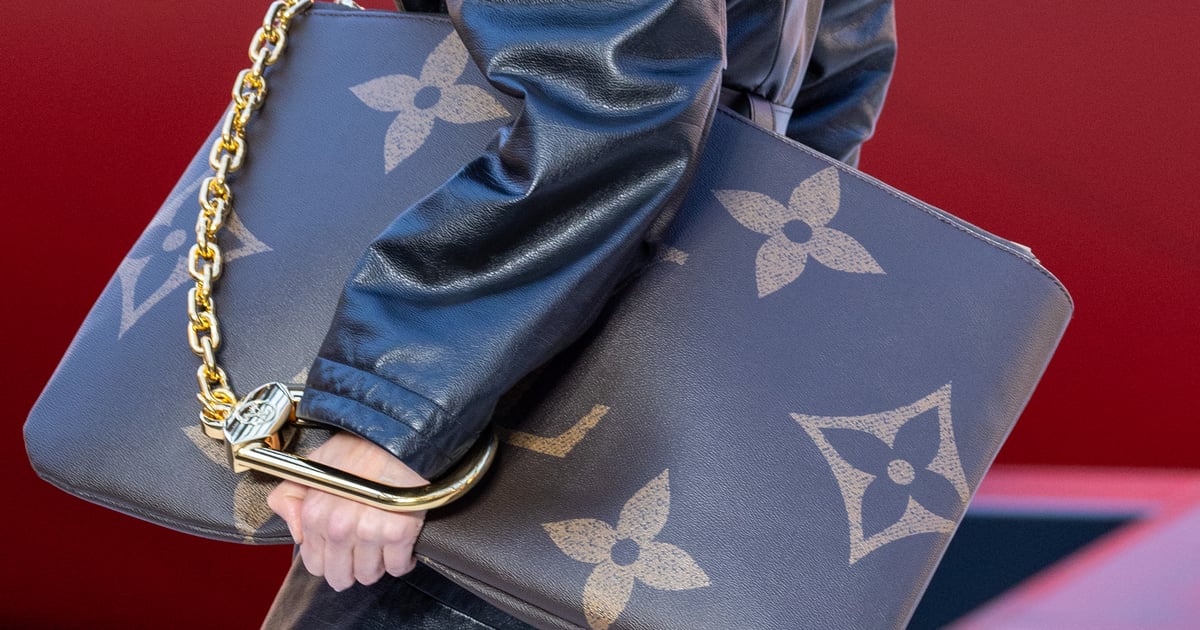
258 456
257 431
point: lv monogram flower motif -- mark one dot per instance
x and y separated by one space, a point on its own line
559 445
250 510
898 470
169 235
627 554
798 231
421 100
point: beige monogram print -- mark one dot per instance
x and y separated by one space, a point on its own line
420 100
898 470
250 510
672 255
237 242
560 445
627 554
797 231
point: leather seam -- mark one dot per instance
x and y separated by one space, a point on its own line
421 440
438 407
866 179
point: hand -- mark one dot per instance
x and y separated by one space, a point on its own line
343 540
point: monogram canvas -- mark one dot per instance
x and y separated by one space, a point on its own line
422 100
627 554
797 231
897 470
784 416
155 269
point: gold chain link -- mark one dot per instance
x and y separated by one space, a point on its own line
216 202
253 445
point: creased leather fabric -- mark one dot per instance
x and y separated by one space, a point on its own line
853 55
511 259
503 265
822 65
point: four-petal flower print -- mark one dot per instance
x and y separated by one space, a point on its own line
418 101
158 263
901 471
627 554
798 231
909 471
898 470
904 473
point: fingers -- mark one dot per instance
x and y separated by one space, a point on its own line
368 562
344 541
399 537
286 500
312 552
368 547
339 566
398 560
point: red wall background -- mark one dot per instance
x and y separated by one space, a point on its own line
1069 126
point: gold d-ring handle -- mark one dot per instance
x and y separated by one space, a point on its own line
258 428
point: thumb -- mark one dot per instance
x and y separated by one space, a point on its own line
285 500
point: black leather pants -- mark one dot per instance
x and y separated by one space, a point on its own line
421 600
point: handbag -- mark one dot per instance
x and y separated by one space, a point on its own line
778 424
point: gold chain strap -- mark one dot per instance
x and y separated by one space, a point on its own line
256 429
216 201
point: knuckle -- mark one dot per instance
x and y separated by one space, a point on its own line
400 568
401 551
368 529
278 498
398 530
341 526
313 513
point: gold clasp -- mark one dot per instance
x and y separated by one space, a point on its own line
263 424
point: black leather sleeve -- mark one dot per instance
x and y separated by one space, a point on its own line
848 73
509 261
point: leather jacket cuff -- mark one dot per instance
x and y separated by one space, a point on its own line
393 417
